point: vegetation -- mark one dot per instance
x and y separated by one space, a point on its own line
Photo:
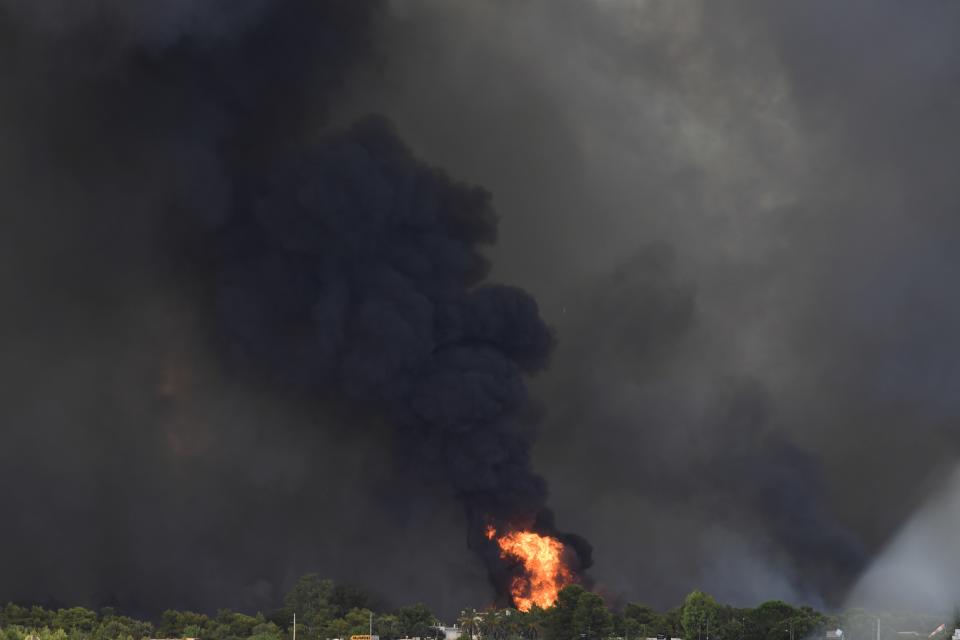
326 610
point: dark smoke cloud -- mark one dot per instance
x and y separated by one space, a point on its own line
357 268
762 416
143 475
739 220
241 347
137 24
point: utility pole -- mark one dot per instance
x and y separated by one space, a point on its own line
294 626
371 625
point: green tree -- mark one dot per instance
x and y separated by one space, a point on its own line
806 623
387 627
591 618
310 600
493 628
75 619
355 622
358 621
641 621
513 624
336 628
13 632
343 598
229 625
52 634
13 614
731 624
698 614
193 631
38 618
771 618
469 622
176 624
670 623
558 621
533 621
641 613
633 629
112 627
266 631
417 620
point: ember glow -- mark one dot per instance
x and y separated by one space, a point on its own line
544 571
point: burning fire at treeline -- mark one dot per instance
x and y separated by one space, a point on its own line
541 569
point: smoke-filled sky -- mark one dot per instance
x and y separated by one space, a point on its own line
252 331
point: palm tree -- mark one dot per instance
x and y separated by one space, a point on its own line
494 626
469 622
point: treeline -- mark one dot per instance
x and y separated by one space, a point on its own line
19 623
326 610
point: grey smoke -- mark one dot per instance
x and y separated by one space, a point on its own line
738 218
798 161
917 569
144 471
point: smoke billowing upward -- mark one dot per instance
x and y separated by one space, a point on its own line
241 309
356 268
745 240
242 249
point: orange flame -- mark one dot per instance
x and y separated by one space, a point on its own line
544 572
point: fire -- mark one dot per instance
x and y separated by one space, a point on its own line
544 572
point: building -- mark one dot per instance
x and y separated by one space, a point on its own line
451 633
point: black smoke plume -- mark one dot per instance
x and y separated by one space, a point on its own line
175 191
355 268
